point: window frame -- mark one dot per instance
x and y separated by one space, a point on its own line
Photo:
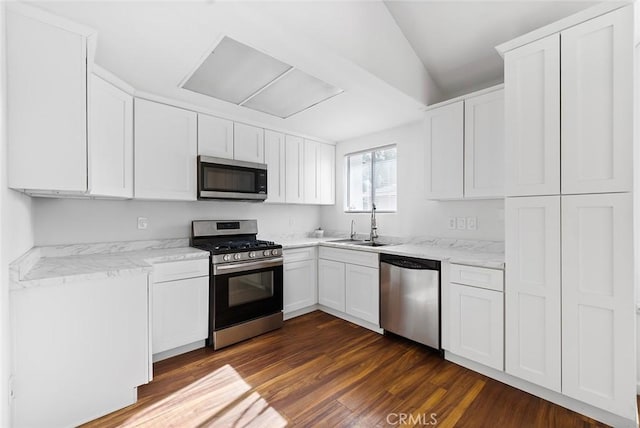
373 170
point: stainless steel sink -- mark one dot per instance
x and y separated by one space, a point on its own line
357 242
370 244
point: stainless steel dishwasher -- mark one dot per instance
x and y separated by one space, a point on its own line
410 298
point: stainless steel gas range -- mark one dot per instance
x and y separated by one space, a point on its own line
245 280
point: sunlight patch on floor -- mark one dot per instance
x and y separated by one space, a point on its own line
222 398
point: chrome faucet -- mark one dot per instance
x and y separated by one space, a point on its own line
353 232
374 229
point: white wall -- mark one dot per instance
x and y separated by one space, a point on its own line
16 233
67 221
415 216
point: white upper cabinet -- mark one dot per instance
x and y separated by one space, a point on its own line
312 177
47 99
444 152
532 292
327 174
484 145
165 152
110 140
274 157
597 105
532 112
598 304
294 157
215 136
248 143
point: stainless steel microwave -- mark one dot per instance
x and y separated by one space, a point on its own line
231 179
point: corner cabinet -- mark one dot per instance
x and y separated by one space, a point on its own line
445 151
319 173
465 148
274 157
294 169
168 173
110 140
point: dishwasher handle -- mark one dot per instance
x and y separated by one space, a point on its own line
410 262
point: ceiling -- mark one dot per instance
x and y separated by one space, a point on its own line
455 40
391 59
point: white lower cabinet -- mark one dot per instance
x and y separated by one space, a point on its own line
598 305
79 349
331 284
180 304
300 279
476 324
532 292
362 292
349 282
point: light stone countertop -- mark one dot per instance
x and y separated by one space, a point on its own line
67 263
57 265
488 254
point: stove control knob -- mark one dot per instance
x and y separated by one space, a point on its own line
252 254
274 252
237 256
266 253
226 257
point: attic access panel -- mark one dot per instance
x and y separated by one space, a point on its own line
242 75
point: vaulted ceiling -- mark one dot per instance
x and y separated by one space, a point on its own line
391 59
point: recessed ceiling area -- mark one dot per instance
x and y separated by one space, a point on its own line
242 75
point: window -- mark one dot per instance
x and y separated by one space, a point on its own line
372 176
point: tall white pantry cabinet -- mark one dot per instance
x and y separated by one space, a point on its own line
569 229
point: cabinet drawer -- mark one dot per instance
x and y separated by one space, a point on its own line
171 271
299 254
363 258
491 279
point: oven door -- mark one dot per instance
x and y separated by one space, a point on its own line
229 179
245 291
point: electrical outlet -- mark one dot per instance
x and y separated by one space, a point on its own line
461 223
472 223
452 223
143 222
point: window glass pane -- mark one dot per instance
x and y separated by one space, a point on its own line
359 182
385 179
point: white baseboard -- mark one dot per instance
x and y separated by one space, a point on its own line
552 396
177 351
297 313
354 320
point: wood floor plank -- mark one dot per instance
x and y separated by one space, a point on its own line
319 370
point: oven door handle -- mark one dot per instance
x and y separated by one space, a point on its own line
243 267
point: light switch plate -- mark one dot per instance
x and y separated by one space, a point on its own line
461 223
452 223
472 223
143 222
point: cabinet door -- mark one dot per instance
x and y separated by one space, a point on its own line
331 284
180 313
215 137
362 289
484 146
532 118
274 157
444 151
327 169
294 156
165 152
311 172
300 290
248 143
598 305
476 324
47 92
597 104
532 291
110 140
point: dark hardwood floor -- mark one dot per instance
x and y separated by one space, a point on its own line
319 370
